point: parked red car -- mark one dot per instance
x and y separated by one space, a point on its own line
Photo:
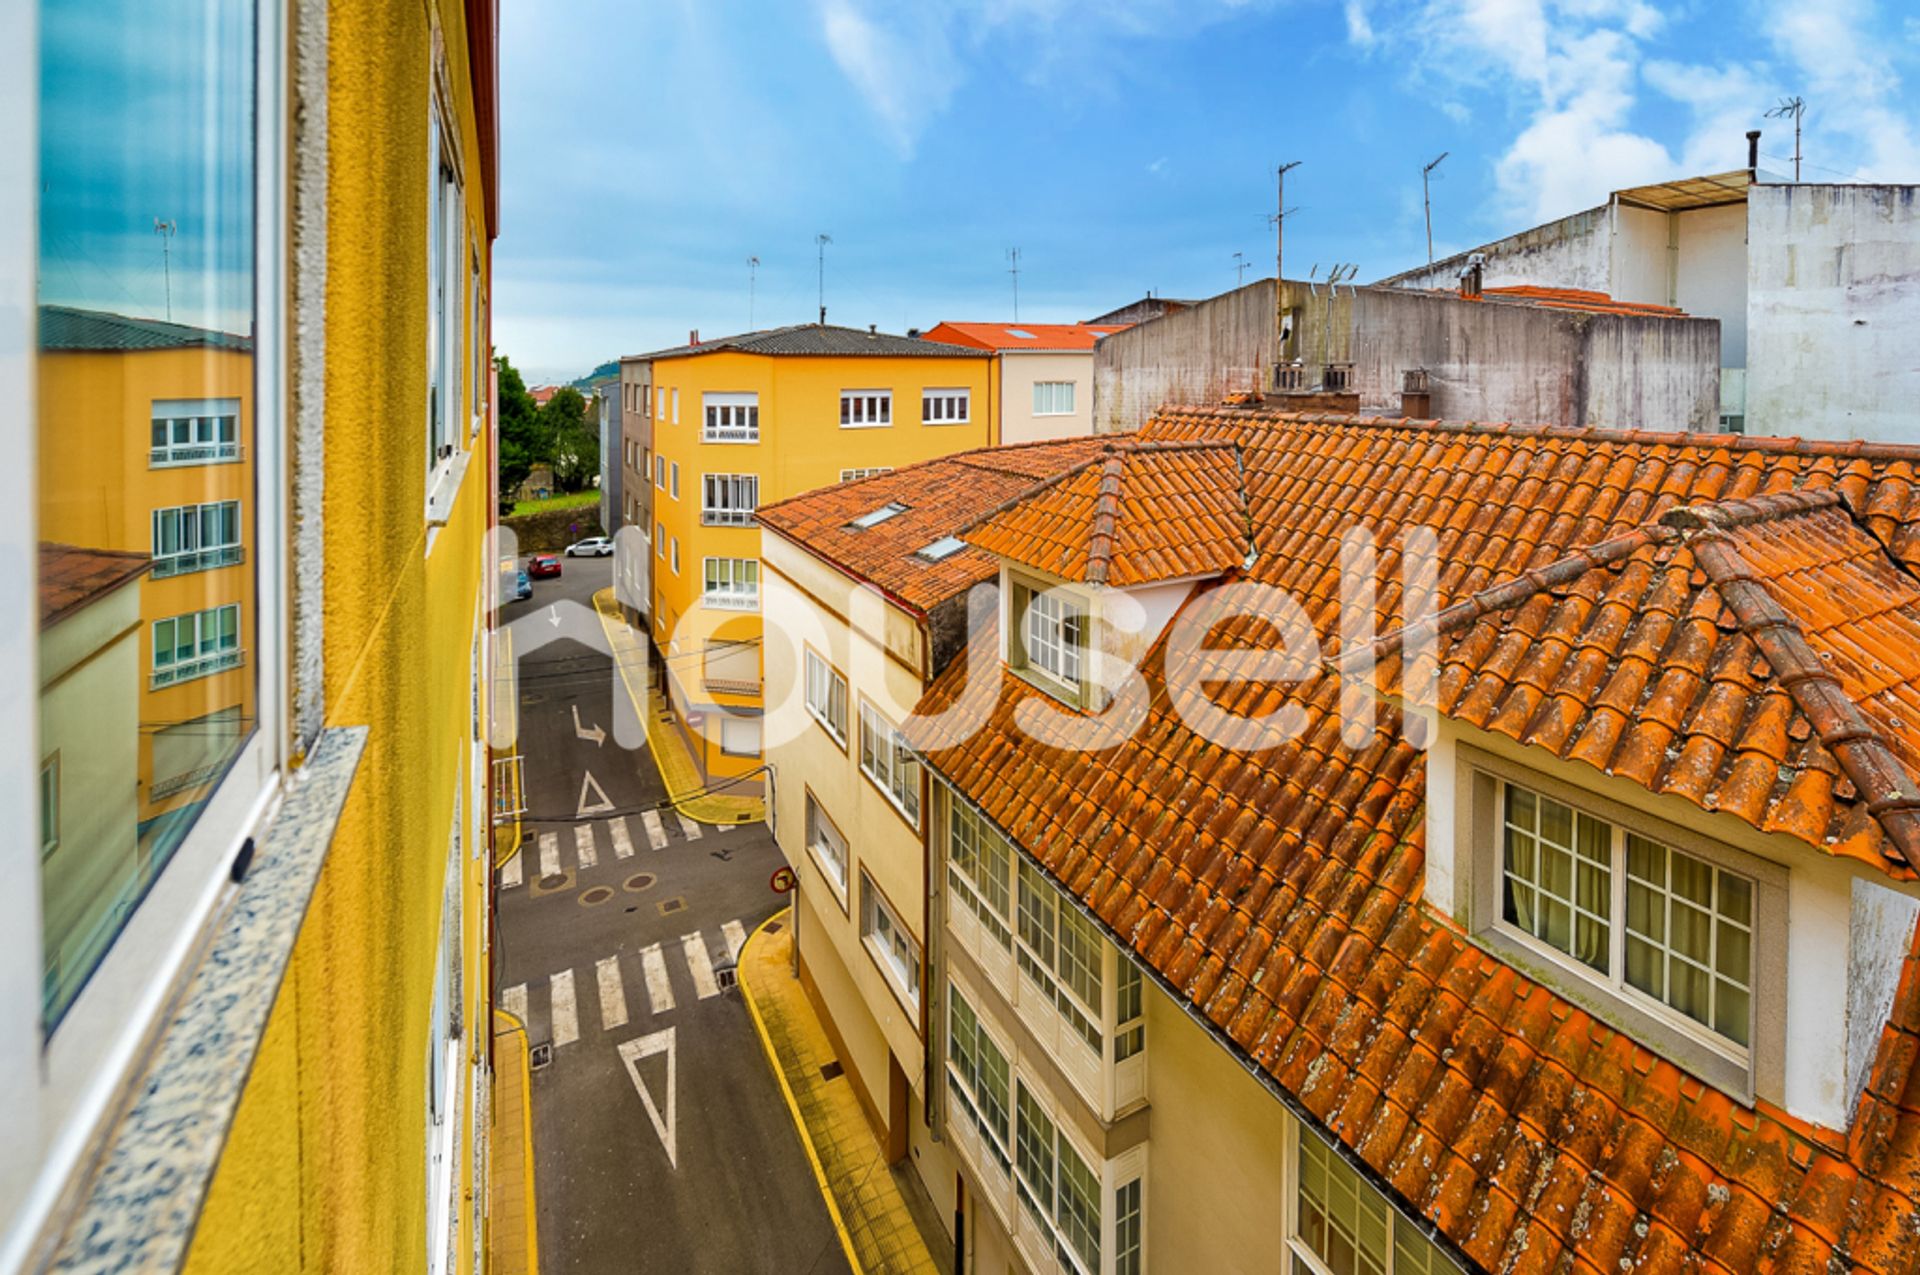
542 565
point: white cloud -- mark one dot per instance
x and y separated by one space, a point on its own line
1158 167
1359 25
905 75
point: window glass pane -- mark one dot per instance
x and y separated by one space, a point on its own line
145 399
1558 879
1689 936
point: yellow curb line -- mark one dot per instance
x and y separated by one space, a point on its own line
526 1132
793 1105
643 708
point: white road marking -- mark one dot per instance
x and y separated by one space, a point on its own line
656 832
583 846
700 965
659 990
598 805
566 1015
597 735
622 839
510 873
549 854
736 936
613 994
688 826
721 829
631 1052
514 1001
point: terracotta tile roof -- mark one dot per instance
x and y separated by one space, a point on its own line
1134 514
1006 337
71 577
1277 891
1571 299
942 496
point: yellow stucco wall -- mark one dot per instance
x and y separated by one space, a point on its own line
326 1165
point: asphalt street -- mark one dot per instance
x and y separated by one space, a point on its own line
661 1140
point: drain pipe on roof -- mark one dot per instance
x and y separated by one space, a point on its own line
1309 1123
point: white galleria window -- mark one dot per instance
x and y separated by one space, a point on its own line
730 418
728 500
979 867
1059 952
1343 1226
979 1078
732 583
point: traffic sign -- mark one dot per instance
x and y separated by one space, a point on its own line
782 880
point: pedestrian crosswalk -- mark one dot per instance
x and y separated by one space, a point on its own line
595 839
625 987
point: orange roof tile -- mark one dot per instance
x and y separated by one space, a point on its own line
1007 337
942 496
1134 514
71 577
1278 890
1577 299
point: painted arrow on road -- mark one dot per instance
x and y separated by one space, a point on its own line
631 1052
596 734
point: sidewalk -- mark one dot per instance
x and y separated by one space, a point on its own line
513 1229
868 1205
677 768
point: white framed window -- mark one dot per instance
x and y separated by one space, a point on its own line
980 870
1053 634
728 500
979 1078
673 557
477 325
828 847
189 538
946 407
826 694
732 584
660 405
740 736
1053 398
673 479
1655 923
848 475
446 277
660 473
1058 1191
865 409
197 644
660 540
1059 951
885 760
1129 1230
50 804
1340 1225
194 431
1130 1012
676 404
889 941
730 418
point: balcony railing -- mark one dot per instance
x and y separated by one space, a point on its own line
732 600
726 517
180 564
172 454
202 666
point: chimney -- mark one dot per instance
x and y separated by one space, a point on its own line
914 333
1416 394
873 329
823 316
1472 277
693 336
1753 149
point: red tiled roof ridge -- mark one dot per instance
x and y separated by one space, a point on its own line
1851 449
976 457
1112 451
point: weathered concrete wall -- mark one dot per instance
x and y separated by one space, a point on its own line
1574 252
1833 287
553 529
1498 361
1196 355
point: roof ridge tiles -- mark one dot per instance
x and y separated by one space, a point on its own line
1106 518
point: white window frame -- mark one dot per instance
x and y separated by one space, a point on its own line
887 765
1046 1215
849 475
50 804
190 523
673 479
1394 1224
883 932
1044 967
660 540
980 870
738 582
826 696
1049 397
206 420
676 404
203 663
828 847
477 326
674 556
972 1093
447 255
946 406
729 500
866 409
660 473
729 417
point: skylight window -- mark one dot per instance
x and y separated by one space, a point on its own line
942 549
1022 333
880 515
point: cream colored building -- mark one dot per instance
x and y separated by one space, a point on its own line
1042 374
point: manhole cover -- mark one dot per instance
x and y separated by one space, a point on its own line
671 906
541 1055
832 1070
638 881
599 894
553 883
773 927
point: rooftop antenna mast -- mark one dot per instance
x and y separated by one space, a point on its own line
1240 264
1426 197
1791 108
1013 255
753 271
166 230
822 240
1279 218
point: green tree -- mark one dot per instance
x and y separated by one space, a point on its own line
573 440
521 443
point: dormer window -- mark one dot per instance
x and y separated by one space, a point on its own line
892 508
1048 634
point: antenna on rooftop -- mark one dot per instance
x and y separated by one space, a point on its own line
1240 264
1013 255
753 271
822 240
1426 197
1791 108
1279 217
166 230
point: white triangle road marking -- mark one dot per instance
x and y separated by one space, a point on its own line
688 826
566 1014
583 846
599 805
736 936
613 994
659 989
631 1052
699 964
549 854
510 872
656 831
622 839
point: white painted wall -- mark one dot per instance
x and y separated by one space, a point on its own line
1573 252
1710 273
1019 371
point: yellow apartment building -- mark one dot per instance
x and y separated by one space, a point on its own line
748 420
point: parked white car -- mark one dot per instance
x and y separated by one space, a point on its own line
591 547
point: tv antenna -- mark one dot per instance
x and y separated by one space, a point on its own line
753 270
821 240
1240 264
1426 197
1791 108
166 230
1279 217
1013 255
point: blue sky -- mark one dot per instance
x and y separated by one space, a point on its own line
1121 145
